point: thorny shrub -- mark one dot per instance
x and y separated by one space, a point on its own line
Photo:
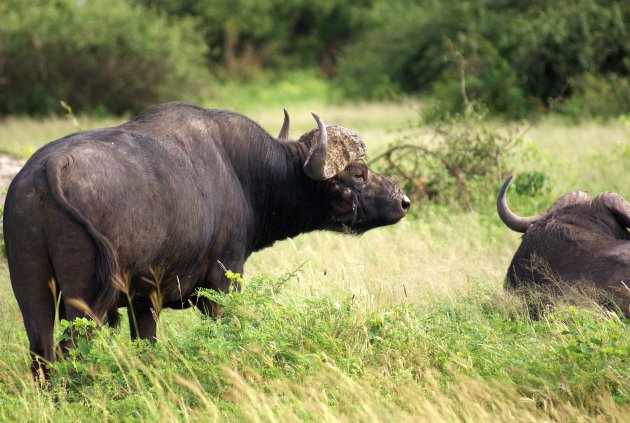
459 164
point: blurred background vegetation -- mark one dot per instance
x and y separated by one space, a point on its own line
519 59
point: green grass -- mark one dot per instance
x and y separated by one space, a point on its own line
405 323
276 356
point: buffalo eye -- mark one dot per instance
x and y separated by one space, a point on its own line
359 175
360 178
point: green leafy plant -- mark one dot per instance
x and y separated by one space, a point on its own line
79 330
531 183
587 339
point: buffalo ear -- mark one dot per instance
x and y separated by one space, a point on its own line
618 206
342 198
573 197
521 224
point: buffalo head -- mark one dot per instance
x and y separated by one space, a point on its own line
358 198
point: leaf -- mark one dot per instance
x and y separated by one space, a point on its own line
596 341
585 348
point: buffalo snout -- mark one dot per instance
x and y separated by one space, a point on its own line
381 203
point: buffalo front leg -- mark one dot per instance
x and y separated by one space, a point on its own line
218 281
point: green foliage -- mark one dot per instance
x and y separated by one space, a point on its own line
246 36
531 183
588 342
567 39
594 96
403 50
517 58
94 55
292 89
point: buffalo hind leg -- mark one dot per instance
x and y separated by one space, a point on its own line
142 320
36 294
39 320
73 257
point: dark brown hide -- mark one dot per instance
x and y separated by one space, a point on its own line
578 241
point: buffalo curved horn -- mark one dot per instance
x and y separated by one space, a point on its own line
618 205
520 224
284 132
315 165
512 220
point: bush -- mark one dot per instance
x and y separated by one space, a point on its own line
93 54
518 57
565 39
400 51
459 165
597 96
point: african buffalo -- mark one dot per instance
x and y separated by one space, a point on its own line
578 241
180 191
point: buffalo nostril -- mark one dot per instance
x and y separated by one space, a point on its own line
405 203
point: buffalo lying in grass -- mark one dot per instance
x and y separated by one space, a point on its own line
180 192
578 242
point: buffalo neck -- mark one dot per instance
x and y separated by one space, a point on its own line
284 202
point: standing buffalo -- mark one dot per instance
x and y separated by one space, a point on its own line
180 191
578 241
